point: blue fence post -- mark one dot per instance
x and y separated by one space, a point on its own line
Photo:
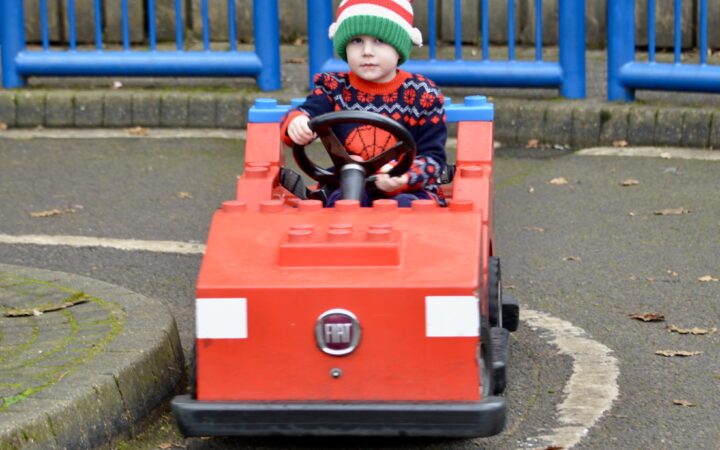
267 43
621 46
12 39
572 47
319 18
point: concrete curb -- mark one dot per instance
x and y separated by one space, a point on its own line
105 397
574 123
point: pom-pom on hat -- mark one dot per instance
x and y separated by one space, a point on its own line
389 20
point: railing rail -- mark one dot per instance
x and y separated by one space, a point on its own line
18 62
567 74
625 74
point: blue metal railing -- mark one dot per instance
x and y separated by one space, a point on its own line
568 74
625 75
18 63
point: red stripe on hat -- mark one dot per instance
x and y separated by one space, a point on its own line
389 4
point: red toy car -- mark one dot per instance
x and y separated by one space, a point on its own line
333 321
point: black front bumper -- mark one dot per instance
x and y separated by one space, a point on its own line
200 418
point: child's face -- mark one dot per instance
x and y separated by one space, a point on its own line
372 59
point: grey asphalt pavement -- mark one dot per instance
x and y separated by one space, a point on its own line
590 251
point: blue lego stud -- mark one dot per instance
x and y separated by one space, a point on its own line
475 108
448 101
475 100
267 110
265 103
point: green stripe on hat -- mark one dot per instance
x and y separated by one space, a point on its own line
385 29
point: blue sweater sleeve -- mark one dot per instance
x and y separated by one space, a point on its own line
430 139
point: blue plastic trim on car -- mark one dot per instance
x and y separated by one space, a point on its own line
474 108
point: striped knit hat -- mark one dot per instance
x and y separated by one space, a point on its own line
389 20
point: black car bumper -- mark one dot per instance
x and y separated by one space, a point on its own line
201 418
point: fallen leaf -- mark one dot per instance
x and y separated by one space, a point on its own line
707 278
685 403
620 143
46 213
694 331
536 229
184 195
296 60
137 131
631 214
672 273
572 258
559 181
533 143
670 353
56 211
3 126
630 182
647 317
531 190
672 212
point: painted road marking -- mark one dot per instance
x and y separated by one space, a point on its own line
592 387
130 133
589 393
653 152
186 248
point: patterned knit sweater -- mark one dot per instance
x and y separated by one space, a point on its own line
410 99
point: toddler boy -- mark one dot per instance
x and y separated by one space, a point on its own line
375 37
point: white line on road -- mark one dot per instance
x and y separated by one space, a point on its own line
592 387
116 133
590 392
187 248
653 152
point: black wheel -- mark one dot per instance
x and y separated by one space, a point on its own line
495 291
192 374
487 376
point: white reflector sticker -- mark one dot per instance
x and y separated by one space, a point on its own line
221 318
452 316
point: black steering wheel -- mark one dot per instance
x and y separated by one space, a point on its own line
350 174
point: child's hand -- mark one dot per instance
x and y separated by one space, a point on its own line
386 183
299 131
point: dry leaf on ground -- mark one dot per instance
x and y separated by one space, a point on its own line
56 211
533 143
620 143
707 278
3 126
694 330
670 353
647 317
572 258
685 403
630 182
296 61
46 213
137 131
559 181
184 195
672 212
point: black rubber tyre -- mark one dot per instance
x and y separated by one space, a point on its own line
192 374
487 373
495 291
